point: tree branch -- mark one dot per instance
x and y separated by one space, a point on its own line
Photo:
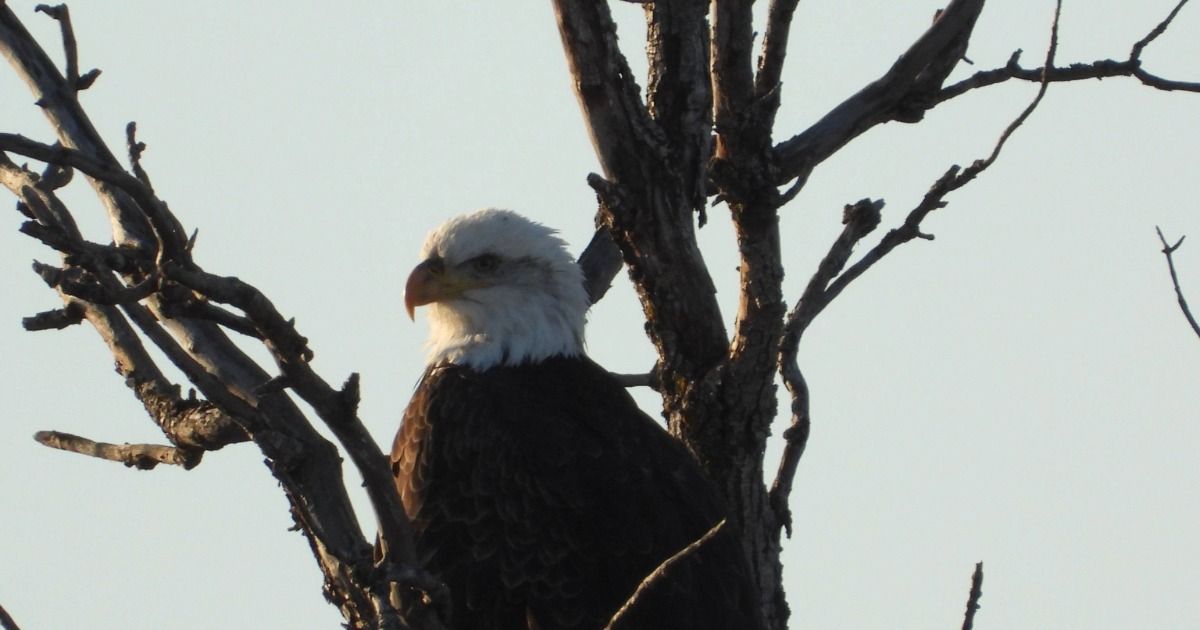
6 620
900 94
172 243
1135 53
1169 251
600 261
621 129
140 456
859 219
646 200
678 94
1100 69
636 380
973 597
660 573
953 179
774 46
71 52
338 408
56 319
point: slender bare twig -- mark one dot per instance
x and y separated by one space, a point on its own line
659 574
973 597
140 456
1135 53
6 620
859 219
135 154
1169 251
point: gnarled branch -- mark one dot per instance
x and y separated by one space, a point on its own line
140 456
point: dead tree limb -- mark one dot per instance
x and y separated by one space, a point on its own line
973 597
1100 69
1169 252
660 573
140 456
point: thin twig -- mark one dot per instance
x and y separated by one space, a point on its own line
1169 251
973 597
135 154
140 456
660 573
1051 50
860 219
63 15
1135 54
6 620
1099 69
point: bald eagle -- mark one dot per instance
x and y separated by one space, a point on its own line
540 494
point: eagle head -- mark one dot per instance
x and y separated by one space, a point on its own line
501 290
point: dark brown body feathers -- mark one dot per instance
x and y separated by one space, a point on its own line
542 496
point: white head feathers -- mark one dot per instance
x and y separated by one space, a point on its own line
502 290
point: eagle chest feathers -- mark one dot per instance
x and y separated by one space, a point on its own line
539 493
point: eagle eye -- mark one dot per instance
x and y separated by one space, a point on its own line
484 263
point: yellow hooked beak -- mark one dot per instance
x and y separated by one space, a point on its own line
429 282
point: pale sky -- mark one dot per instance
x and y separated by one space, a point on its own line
1021 391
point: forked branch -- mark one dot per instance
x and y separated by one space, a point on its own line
1100 69
1169 252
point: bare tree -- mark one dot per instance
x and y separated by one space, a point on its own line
701 133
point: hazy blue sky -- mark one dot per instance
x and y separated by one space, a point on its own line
1022 390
